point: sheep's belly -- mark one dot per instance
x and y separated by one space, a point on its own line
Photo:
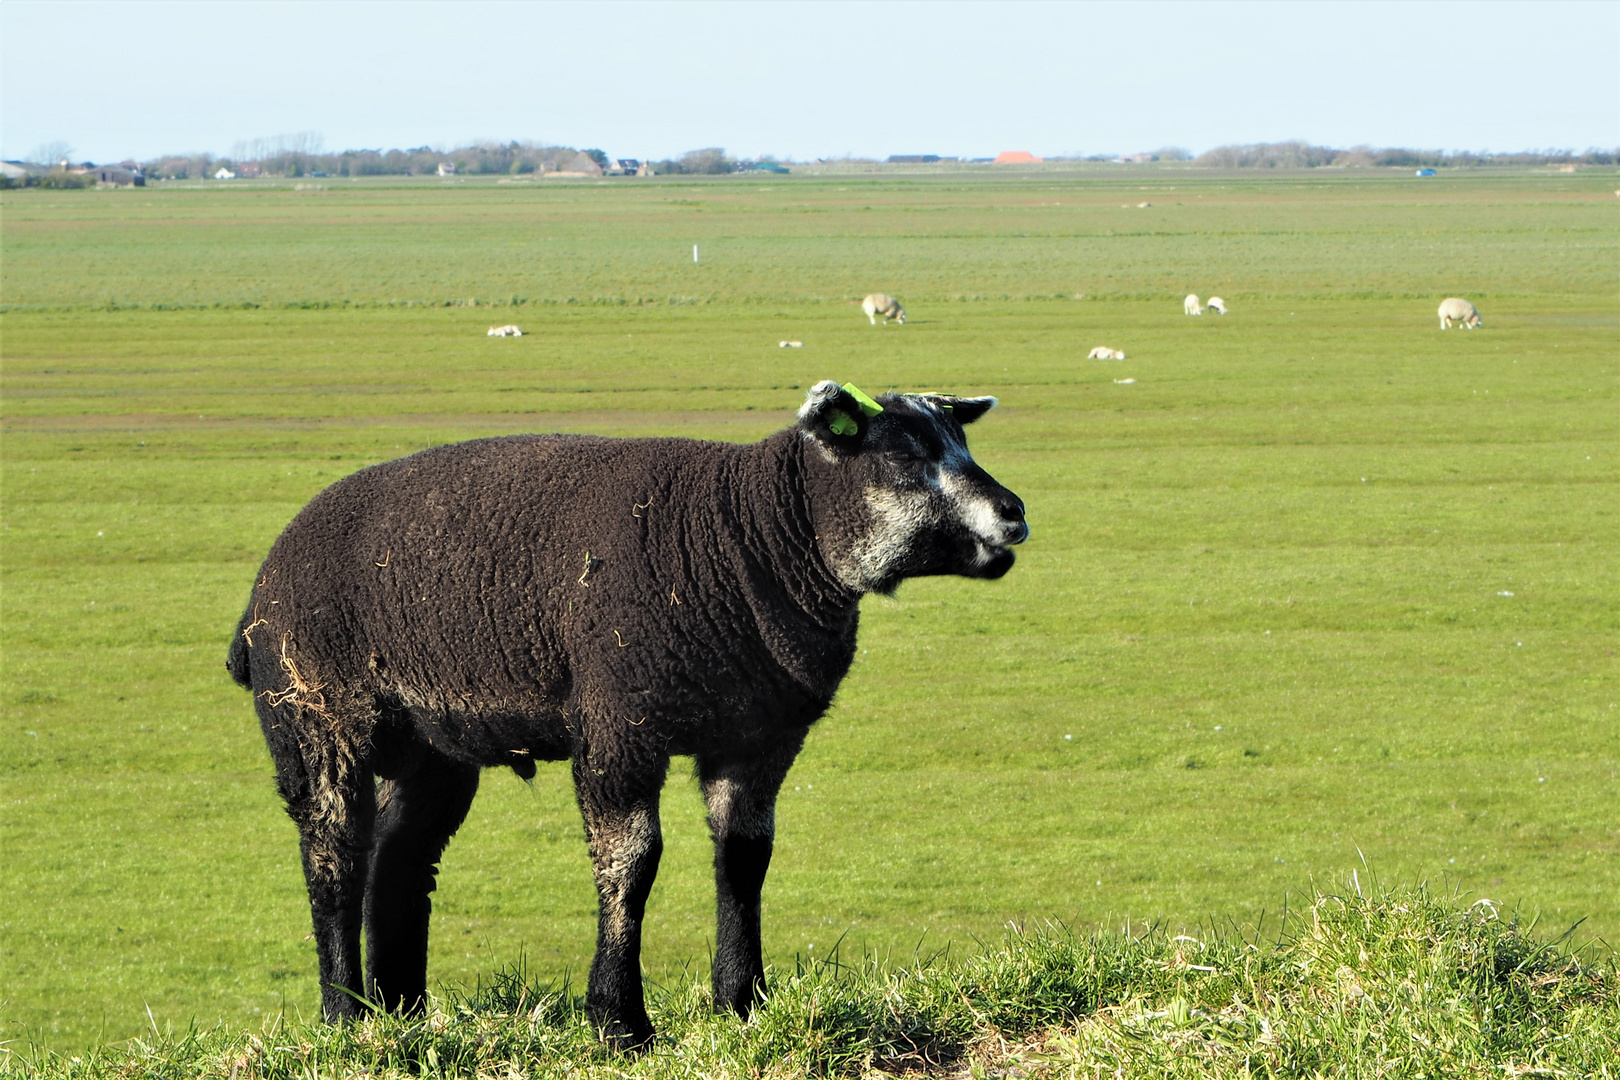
682 717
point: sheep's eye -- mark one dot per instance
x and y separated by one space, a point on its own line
904 456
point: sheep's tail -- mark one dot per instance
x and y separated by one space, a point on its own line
236 660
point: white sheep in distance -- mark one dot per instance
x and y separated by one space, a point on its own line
1191 305
1456 309
1217 305
885 305
504 331
1103 352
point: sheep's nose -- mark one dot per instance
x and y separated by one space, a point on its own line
1011 509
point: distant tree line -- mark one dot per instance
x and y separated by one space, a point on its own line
1301 155
479 159
55 178
299 155
1168 153
709 161
46 167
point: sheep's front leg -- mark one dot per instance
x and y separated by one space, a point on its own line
741 796
619 801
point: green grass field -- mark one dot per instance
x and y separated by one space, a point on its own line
1263 621
1365 985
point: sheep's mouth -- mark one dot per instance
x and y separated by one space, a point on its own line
993 558
993 561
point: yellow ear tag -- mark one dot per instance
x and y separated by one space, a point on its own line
868 406
842 423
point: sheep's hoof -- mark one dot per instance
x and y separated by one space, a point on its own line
338 1006
626 1038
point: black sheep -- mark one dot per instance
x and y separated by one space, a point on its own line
608 601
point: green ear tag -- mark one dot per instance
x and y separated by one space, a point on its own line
868 406
842 423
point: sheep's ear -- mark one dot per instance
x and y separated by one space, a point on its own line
834 417
965 410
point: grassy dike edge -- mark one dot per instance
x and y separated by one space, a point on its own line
1400 982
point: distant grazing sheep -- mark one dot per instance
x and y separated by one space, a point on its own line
1455 309
790 344
884 305
504 331
1191 305
611 602
1217 305
1103 352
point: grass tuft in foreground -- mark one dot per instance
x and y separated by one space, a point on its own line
1398 984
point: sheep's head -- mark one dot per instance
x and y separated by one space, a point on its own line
897 494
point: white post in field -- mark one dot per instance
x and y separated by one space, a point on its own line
694 253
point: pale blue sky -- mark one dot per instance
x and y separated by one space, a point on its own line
136 78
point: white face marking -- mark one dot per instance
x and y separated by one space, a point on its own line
973 510
897 517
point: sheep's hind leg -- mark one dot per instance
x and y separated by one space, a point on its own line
741 796
618 797
417 813
328 790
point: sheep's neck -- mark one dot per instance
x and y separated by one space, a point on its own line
773 506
